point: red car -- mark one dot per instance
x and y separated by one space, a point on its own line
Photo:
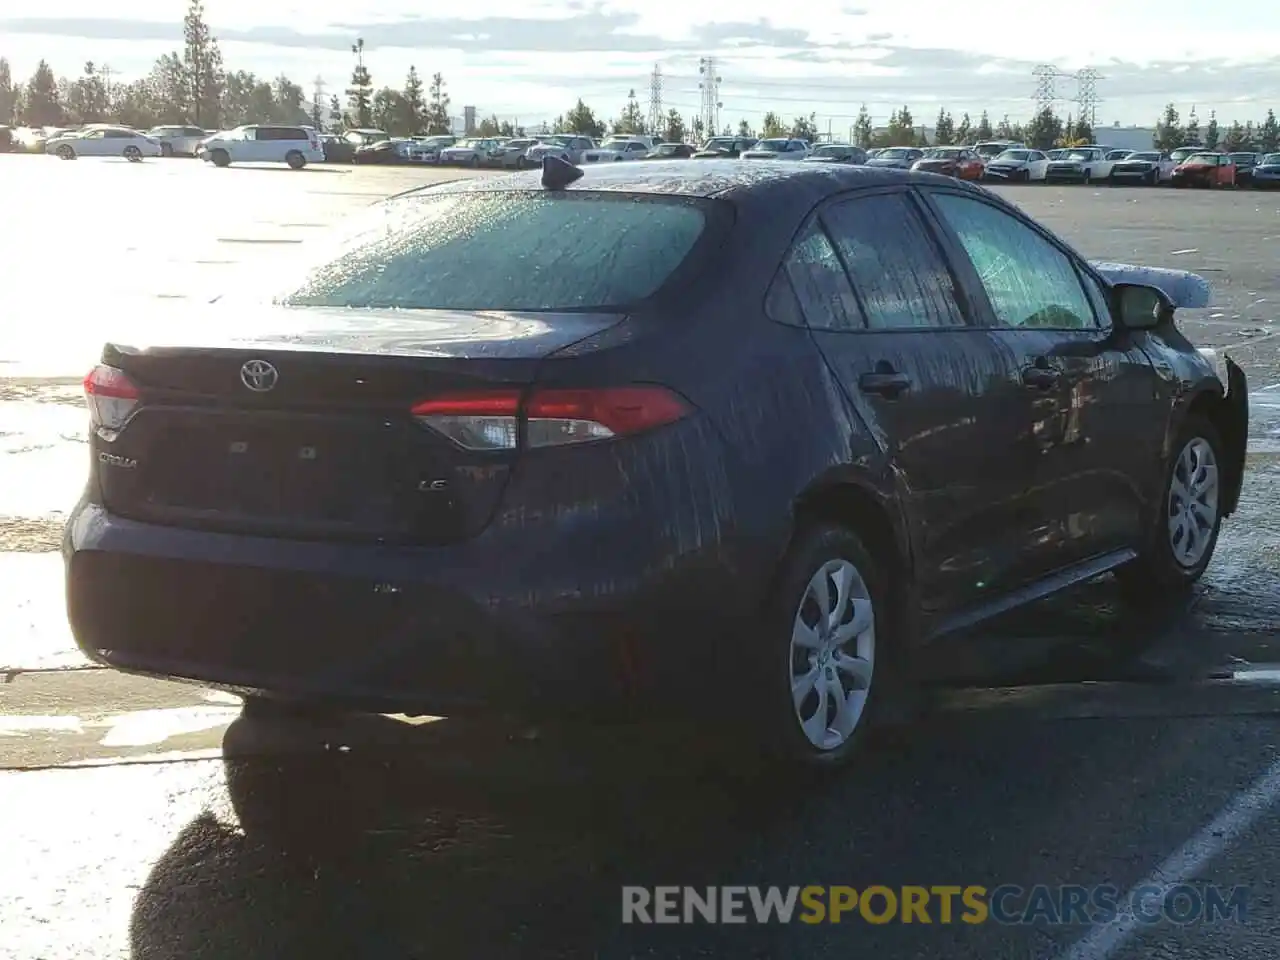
1205 170
958 162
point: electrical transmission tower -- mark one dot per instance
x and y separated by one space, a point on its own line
710 87
1045 75
318 106
656 119
1087 96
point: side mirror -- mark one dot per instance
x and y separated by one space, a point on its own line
1140 307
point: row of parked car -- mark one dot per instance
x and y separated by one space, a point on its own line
999 161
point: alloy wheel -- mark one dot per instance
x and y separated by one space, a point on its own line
833 641
1193 502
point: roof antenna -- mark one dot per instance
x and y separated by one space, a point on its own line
557 174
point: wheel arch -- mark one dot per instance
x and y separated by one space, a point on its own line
1229 412
877 520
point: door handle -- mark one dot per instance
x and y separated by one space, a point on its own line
885 383
1039 378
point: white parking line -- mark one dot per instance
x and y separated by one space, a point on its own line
1235 819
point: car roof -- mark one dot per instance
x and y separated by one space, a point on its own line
705 178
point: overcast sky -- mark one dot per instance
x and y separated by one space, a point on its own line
529 59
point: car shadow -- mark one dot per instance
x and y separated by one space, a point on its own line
443 840
379 838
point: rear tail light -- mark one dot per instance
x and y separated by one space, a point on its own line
112 397
491 420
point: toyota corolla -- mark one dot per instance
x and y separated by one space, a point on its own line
666 436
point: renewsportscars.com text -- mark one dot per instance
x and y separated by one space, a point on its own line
1008 904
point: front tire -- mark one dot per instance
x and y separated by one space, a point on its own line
220 158
66 153
821 657
1187 517
133 154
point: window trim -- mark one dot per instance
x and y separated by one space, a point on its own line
944 254
1103 326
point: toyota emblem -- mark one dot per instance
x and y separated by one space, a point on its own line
259 376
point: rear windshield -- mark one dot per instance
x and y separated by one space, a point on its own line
507 251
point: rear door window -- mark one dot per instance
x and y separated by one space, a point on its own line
813 272
897 269
498 250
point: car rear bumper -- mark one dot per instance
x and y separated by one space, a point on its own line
476 627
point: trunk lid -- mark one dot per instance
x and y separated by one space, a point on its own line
296 421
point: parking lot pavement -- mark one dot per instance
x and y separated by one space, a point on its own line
1072 743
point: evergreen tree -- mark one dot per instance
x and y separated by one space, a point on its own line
437 116
415 107
862 128
202 68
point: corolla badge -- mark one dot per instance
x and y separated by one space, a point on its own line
259 376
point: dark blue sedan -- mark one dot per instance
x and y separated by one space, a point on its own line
697 434
1266 175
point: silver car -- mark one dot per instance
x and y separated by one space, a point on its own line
515 153
569 147
177 141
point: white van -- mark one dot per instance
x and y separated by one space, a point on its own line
263 143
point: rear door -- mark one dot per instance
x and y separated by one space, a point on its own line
1096 425
937 392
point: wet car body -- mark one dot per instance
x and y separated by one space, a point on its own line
552 578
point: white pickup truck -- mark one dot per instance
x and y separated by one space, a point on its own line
1080 165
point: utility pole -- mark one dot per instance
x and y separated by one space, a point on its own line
358 49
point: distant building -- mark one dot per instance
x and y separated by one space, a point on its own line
1124 138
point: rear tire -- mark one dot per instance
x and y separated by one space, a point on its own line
821 676
295 160
1186 518
220 158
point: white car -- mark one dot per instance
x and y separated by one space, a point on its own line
1080 165
620 148
471 153
101 140
1149 167
569 147
263 143
1019 165
177 141
778 148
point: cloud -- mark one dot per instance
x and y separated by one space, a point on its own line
590 31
